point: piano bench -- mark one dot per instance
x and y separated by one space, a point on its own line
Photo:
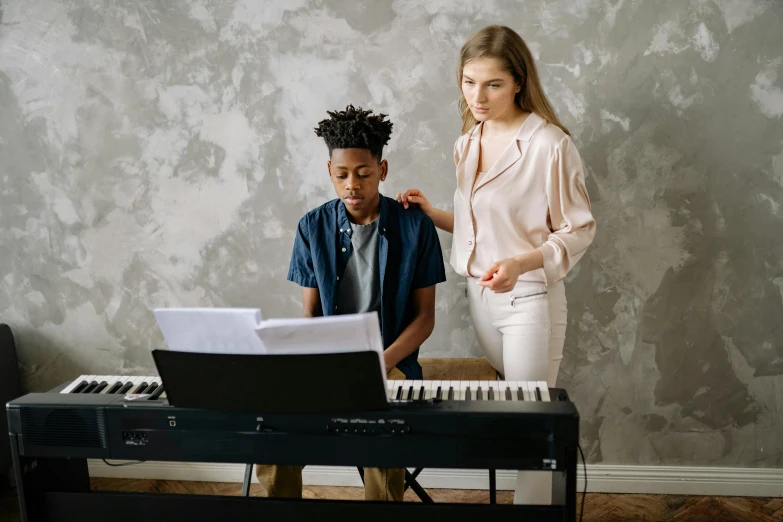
457 369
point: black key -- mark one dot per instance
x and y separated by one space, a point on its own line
538 394
90 387
158 393
467 393
437 394
125 387
410 393
491 394
100 387
114 389
152 387
451 393
399 393
479 394
520 395
82 385
508 394
141 388
421 394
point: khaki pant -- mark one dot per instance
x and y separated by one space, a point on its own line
379 483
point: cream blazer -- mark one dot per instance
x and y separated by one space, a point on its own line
534 196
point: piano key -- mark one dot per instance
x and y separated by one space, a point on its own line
439 392
90 387
114 388
427 390
89 379
450 395
100 387
79 387
531 388
126 387
525 390
416 385
110 383
544 387
398 395
151 388
463 387
74 383
494 389
484 390
390 389
509 395
158 392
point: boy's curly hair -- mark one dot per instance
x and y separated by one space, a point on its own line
355 129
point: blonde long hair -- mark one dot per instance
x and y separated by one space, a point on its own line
504 44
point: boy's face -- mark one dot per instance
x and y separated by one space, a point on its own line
356 174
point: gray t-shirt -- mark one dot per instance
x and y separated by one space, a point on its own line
360 286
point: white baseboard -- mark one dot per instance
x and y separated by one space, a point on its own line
762 482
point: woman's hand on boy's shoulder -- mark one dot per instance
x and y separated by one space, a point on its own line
414 197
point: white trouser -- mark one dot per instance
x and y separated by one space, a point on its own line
522 333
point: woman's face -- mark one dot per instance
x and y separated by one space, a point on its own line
488 88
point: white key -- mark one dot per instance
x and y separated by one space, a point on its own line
136 384
525 390
406 387
433 390
74 384
397 386
389 389
544 387
463 389
497 393
111 381
531 386
427 391
417 389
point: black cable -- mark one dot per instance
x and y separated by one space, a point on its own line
584 491
124 464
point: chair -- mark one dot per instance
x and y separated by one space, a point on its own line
10 389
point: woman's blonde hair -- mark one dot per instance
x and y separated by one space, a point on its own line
505 45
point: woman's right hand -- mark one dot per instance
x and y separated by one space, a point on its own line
414 197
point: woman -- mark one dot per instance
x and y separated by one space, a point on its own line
522 216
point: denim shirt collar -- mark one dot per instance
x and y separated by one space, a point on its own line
345 224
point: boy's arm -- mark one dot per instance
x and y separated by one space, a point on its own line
311 302
423 304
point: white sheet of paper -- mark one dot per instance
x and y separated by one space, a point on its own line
211 330
330 334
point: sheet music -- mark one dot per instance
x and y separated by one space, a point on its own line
331 334
211 330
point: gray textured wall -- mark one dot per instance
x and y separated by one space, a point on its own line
158 153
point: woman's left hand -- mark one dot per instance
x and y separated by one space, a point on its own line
502 275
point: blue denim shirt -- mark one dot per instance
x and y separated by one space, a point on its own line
409 257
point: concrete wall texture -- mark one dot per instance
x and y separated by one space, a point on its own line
160 153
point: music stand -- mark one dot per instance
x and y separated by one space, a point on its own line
245 383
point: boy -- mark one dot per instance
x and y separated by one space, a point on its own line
364 252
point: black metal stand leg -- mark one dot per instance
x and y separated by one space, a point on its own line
246 482
564 486
35 477
414 475
492 487
411 481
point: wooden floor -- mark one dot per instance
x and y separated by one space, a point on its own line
598 507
